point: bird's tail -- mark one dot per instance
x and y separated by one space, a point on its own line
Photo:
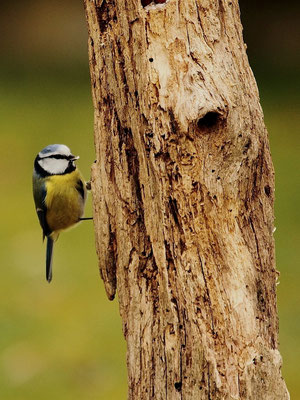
49 253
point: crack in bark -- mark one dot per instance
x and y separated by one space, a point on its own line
207 293
201 26
256 242
182 346
122 68
146 32
112 261
188 38
105 13
221 12
175 214
208 382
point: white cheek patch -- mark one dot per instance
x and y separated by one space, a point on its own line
54 166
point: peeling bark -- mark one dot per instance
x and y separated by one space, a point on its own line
183 191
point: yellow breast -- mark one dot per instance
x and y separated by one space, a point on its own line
64 202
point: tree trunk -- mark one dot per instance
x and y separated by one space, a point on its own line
183 191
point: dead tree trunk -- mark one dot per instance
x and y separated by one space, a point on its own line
183 191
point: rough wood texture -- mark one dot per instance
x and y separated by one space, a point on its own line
183 192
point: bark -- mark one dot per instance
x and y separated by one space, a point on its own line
183 191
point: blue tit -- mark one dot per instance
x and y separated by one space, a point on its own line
59 193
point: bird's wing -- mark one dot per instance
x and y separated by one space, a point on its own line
43 222
39 194
80 188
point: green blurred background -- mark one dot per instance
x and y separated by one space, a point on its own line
65 340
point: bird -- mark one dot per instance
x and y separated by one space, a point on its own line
59 193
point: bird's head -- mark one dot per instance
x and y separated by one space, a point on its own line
55 159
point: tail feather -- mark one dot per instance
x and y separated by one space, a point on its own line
49 253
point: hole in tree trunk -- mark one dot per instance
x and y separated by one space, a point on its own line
209 120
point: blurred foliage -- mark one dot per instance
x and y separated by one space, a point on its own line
65 340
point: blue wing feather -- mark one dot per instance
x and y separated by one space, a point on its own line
39 194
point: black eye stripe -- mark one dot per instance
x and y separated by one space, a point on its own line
61 157
58 157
